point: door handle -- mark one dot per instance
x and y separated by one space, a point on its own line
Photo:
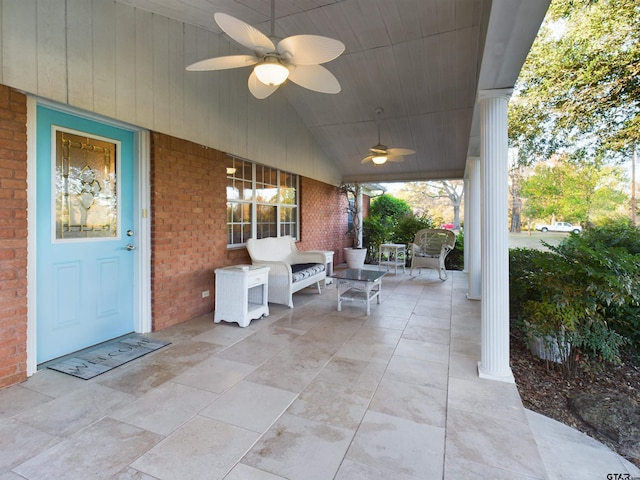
130 247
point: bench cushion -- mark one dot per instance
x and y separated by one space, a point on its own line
301 271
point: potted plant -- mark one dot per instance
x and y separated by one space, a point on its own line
355 255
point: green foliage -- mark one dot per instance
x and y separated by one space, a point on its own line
584 292
455 259
389 210
406 228
579 85
572 191
373 235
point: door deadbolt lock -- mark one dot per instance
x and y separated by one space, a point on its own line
129 233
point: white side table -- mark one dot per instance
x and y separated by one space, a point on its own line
393 255
328 260
241 294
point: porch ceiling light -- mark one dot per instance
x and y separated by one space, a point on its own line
271 72
379 160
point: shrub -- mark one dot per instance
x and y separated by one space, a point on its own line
584 293
373 235
455 259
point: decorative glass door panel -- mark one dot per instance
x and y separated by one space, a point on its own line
86 194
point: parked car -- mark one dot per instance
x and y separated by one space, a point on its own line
559 227
447 226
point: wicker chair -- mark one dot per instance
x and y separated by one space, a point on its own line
429 249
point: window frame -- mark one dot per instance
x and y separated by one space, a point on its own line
235 165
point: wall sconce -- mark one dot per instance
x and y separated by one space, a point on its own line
231 170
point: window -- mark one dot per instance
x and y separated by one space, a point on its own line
261 202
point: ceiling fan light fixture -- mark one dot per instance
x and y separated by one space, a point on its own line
271 72
379 159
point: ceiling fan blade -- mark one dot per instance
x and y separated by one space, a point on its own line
309 49
401 151
395 158
314 77
243 33
223 63
259 89
366 159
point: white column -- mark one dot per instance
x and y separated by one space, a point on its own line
494 361
472 236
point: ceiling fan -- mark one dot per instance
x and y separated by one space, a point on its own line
380 154
297 58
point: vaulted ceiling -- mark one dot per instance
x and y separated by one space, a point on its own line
422 61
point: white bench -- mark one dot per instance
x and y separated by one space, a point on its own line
291 270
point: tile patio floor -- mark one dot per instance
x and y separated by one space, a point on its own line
309 393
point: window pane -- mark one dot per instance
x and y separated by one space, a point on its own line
266 221
266 184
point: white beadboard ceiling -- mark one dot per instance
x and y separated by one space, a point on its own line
422 61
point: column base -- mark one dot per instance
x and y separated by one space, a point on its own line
488 375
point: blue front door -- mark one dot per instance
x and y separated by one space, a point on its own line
85 223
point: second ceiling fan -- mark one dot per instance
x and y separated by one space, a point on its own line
296 58
380 154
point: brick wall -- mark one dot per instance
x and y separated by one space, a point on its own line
13 236
188 233
324 218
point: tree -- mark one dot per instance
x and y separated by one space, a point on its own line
579 89
436 197
577 192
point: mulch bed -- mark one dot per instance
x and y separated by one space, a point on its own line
544 389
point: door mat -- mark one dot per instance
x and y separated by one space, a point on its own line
106 356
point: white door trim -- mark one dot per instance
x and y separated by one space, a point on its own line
142 320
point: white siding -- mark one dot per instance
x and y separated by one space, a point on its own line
128 64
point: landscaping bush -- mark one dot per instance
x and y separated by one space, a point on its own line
455 259
584 293
373 235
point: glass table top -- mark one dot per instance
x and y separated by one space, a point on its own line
360 275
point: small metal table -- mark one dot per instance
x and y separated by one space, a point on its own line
358 285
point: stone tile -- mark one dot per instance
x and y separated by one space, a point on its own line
431 352
75 411
53 383
427 334
107 447
132 474
17 399
464 367
224 334
164 409
418 372
357 350
568 453
292 369
215 374
350 470
390 322
353 373
399 445
19 442
332 403
491 398
202 448
461 468
245 472
483 439
286 448
250 405
277 334
419 404
151 371
436 318
251 351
